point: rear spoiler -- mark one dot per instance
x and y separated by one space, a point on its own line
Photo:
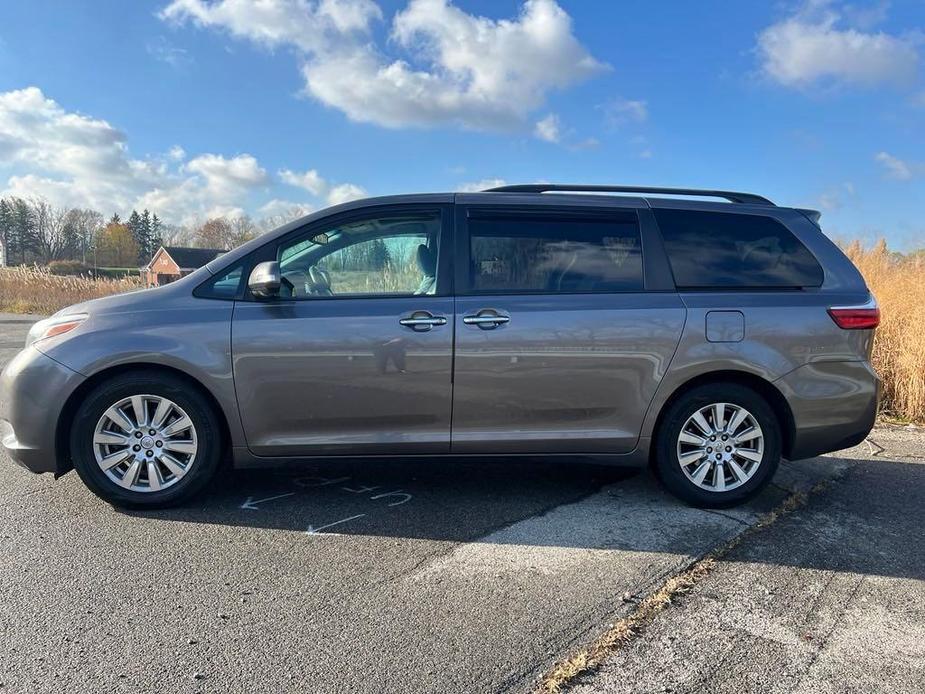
812 215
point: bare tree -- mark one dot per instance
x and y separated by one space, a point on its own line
242 230
56 239
215 233
84 225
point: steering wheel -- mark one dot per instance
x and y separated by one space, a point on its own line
320 281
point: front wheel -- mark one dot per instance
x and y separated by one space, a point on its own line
145 440
719 445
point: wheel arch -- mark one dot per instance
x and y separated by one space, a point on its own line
66 417
763 387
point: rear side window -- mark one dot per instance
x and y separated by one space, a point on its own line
720 249
553 254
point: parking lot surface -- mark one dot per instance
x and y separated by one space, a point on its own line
368 577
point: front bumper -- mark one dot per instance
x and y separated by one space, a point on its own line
33 391
834 405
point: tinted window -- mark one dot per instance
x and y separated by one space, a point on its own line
717 249
224 286
551 255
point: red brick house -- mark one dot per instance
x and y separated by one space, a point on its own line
173 262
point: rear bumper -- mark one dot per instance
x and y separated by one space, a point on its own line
834 405
33 390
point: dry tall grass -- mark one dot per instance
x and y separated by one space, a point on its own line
898 282
35 290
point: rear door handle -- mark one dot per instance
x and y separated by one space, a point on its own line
487 319
422 321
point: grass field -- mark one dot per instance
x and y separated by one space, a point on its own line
897 281
36 290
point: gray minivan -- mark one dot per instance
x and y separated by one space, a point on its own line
707 339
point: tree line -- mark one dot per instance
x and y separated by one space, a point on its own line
33 231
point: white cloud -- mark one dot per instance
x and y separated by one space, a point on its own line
345 192
276 209
897 168
619 112
816 44
478 186
452 68
309 26
311 180
67 155
228 177
77 160
548 129
315 184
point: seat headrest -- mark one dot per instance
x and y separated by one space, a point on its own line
427 261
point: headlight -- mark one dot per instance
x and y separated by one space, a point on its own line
56 325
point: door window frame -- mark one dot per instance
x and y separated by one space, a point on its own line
656 273
444 287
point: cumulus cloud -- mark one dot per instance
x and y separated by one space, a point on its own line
77 160
69 156
451 67
817 43
315 184
309 26
548 129
897 168
311 180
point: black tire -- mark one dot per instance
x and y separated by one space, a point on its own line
181 392
668 467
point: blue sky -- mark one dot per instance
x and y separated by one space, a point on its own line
197 107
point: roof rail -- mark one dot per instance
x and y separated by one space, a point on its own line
731 196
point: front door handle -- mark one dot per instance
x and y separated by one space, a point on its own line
422 321
487 319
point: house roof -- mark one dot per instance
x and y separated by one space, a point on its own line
191 258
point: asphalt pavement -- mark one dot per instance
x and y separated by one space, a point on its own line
406 576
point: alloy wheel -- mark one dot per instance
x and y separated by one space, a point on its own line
720 447
145 443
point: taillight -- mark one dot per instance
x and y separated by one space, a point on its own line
863 317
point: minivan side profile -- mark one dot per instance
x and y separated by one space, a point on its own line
624 325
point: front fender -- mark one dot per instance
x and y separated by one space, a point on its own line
194 338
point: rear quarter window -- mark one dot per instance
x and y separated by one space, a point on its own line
730 250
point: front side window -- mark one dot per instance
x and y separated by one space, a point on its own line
721 249
549 254
394 255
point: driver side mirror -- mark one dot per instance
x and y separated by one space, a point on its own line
265 280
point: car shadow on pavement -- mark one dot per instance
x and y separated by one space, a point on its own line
526 503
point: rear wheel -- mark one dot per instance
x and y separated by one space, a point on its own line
719 445
145 440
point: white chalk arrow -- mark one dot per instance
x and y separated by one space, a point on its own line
251 503
312 530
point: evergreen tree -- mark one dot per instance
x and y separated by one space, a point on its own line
378 255
6 227
145 239
157 229
24 241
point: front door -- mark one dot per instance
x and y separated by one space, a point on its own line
559 347
356 357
